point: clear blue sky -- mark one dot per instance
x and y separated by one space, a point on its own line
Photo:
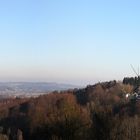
68 41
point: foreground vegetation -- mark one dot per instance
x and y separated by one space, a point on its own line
98 112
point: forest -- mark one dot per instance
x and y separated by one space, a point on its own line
97 112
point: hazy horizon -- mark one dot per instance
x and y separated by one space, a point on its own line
75 42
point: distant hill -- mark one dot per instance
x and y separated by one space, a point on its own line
30 88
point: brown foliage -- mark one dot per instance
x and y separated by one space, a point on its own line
97 112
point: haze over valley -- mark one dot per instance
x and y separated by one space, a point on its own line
30 89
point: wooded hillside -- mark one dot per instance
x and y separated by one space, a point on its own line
97 112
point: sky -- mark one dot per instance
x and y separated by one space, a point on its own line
69 41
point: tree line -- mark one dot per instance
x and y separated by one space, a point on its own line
97 112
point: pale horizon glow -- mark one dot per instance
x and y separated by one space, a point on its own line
76 41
